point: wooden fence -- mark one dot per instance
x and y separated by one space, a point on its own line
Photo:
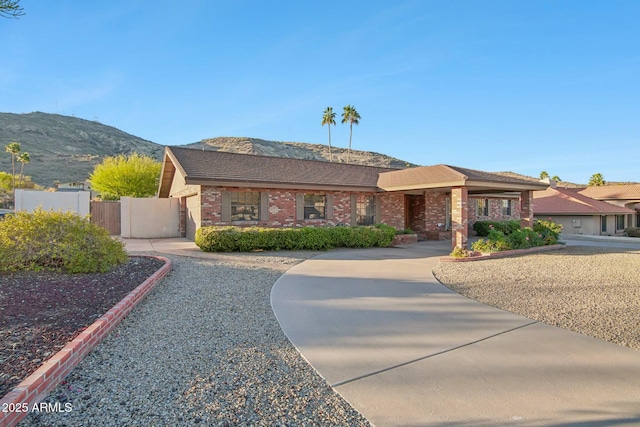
107 215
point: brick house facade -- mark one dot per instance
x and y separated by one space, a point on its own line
437 202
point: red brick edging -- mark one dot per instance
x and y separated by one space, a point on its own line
502 254
16 404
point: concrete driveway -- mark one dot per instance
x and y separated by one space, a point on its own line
406 351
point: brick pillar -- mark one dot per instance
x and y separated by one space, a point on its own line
526 211
459 217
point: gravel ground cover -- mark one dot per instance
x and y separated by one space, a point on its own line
41 311
591 290
204 348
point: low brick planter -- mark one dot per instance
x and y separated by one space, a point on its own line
479 256
19 402
404 239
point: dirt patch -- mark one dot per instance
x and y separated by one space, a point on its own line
40 312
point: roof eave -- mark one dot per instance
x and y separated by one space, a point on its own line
277 185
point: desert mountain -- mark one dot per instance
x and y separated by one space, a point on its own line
64 148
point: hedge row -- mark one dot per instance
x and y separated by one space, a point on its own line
246 239
48 240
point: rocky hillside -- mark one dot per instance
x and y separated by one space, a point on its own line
65 148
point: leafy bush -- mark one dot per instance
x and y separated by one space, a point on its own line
48 240
482 228
543 233
245 239
549 230
632 231
405 231
458 252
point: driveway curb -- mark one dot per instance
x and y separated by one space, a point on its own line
21 400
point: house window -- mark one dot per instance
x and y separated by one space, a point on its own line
315 206
638 220
365 210
506 207
603 224
482 207
619 222
245 206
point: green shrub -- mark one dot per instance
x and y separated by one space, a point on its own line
458 252
48 240
245 239
549 230
632 231
543 233
482 228
405 231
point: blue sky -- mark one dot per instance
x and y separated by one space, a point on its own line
519 85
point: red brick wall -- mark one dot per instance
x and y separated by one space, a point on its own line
416 215
282 208
392 209
459 217
495 210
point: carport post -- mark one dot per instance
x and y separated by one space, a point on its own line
459 217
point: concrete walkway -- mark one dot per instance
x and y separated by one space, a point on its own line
406 351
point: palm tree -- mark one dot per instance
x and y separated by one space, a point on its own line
351 116
23 158
329 118
14 149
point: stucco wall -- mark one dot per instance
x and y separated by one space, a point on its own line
30 200
150 218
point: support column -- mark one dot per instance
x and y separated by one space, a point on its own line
526 211
459 217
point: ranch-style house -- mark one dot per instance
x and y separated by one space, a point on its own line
437 202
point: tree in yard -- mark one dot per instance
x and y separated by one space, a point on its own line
544 174
134 176
596 180
329 118
23 158
13 148
10 9
351 116
556 178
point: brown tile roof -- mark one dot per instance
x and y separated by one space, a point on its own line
613 192
563 201
446 175
216 166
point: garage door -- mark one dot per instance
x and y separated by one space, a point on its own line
192 216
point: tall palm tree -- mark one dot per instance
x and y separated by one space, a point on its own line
329 118
14 149
351 116
23 158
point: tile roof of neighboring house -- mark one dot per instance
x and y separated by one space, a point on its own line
613 192
563 201
445 175
199 166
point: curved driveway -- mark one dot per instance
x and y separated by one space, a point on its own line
405 350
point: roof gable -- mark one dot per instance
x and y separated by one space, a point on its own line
613 192
566 201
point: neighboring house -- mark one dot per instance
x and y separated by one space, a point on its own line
578 213
625 195
73 186
438 202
